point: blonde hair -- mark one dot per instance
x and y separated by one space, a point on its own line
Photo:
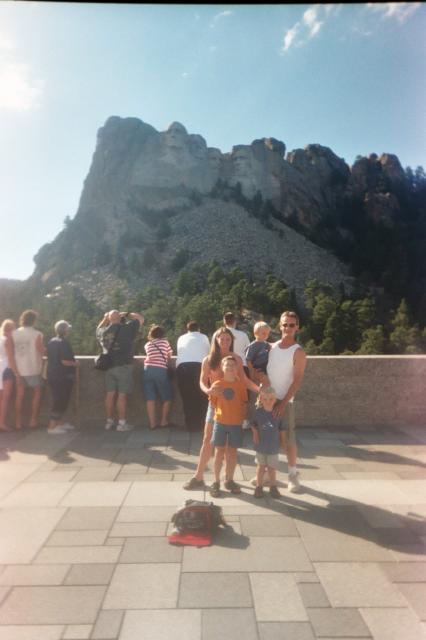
264 391
260 325
5 325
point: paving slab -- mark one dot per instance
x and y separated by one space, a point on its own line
415 594
96 474
76 555
52 605
77 518
107 625
77 538
357 584
146 514
285 631
162 625
36 494
313 595
214 590
25 575
77 632
96 494
90 574
338 623
17 547
276 597
254 554
393 624
228 624
143 586
138 529
280 525
405 571
150 549
31 632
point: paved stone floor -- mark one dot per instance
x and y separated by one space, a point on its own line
84 552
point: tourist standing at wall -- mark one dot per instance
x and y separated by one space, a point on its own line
61 369
241 339
28 351
7 370
117 332
285 369
156 376
192 348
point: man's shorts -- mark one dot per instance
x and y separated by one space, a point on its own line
31 381
224 434
267 460
289 423
156 383
119 379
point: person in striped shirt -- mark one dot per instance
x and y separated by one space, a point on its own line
156 382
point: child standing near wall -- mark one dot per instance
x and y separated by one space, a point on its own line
268 438
229 399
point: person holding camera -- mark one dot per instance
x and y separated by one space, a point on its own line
116 333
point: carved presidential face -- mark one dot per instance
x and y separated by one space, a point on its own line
197 146
241 161
214 157
175 136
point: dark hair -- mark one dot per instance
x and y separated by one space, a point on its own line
193 326
215 355
28 318
156 331
229 318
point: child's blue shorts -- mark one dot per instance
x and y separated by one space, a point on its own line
227 434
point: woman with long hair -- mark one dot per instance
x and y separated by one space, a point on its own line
7 370
222 346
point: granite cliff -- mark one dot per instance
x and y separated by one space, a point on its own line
154 201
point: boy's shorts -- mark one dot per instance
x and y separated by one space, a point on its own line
267 459
224 434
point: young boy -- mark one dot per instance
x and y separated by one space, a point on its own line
258 351
268 437
229 398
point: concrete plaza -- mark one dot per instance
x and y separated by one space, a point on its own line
84 552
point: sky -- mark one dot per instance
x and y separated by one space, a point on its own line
349 77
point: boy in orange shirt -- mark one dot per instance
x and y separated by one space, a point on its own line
229 399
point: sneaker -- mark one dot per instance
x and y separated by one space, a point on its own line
215 490
258 492
57 430
246 425
293 483
109 424
193 483
124 427
232 486
68 426
274 493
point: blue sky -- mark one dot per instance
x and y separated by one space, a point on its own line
350 77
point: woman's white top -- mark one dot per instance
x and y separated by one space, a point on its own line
29 360
4 360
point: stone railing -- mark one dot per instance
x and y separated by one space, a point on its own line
337 391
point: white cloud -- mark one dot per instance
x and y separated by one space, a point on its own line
309 26
19 91
219 16
401 11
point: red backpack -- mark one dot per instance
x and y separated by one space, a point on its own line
195 523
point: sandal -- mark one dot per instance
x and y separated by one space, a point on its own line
215 490
232 486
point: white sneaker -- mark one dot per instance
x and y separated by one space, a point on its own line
124 427
293 483
58 430
109 424
68 426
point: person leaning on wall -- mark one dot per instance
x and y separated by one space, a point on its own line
192 348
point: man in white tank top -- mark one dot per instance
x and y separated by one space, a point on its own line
286 367
28 350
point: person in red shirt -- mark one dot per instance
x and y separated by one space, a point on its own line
229 399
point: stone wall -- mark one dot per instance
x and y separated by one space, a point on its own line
337 391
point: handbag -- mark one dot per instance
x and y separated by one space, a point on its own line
103 362
170 371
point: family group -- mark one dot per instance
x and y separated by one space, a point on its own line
226 384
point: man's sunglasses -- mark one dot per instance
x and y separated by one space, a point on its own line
288 324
